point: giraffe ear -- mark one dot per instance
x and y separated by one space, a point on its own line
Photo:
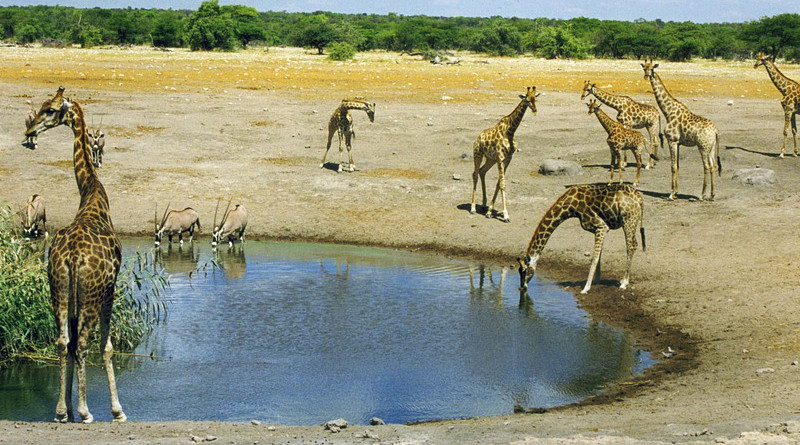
522 96
537 94
655 65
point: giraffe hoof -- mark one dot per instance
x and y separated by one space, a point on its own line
61 418
120 418
781 156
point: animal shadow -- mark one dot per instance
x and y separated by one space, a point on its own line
665 195
750 150
480 210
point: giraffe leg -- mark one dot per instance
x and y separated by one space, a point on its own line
638 155
486 167
80 354
673 153
108 353
501 185
651 132
65 366
614 160
794 133
706 156
630 244
348 138
478 158
624 164
599 237
330 138
341 151
787 122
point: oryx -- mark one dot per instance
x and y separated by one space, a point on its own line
32 215
233 221
176 222
97 141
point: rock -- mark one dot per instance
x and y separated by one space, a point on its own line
759 177
335 425
447 98
558 167
456 177
762 371
730 103
376 421
255 422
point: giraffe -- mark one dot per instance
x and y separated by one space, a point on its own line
496 144
342 121
84 260
599 208
685 128
790 100
620 138
631 114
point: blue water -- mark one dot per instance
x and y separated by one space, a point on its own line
295 333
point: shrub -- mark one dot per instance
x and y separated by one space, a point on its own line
341 51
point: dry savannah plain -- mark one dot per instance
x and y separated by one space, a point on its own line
718 283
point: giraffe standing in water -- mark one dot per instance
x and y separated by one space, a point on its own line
790 100
599 208
631 114
685 128
342 122
497 146
84 261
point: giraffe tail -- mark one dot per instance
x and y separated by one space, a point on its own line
719 160
641 227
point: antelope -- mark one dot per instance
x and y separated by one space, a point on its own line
97 140
233 221
176 222
34 214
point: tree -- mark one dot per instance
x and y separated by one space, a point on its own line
499 39
248 24
316 31
209 29
774 34
166 31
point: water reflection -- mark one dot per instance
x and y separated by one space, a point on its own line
232 260
387 333
179 260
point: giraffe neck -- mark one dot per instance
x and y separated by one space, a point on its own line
92 192
668 104
354 105
512 121
605 121
558 213
612 100
781 82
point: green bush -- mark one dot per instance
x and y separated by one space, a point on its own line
27 324
341 51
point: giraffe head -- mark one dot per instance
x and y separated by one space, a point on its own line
588 88
530 97
54 112
527 268
761 59
593 106
371 111
649 68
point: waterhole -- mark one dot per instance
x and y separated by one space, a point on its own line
294 333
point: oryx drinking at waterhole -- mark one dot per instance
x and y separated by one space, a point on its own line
32 215
232 225
176 222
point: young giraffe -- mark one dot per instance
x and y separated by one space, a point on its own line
599 208
790 100
84 260
685 128
632 114
620 138
342 121
496 144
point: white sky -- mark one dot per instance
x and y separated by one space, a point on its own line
700 11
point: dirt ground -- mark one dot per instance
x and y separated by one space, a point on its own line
718 283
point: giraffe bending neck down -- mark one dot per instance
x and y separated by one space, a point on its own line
685 128
342 122
790 100
599 208
631 114
84 261
497 146
620 138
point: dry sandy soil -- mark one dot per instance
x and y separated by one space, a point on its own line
718 283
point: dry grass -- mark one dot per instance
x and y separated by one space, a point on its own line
396 173
265 124
138 131
374 75
63 163
284 161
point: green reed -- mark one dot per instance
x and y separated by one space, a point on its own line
27 324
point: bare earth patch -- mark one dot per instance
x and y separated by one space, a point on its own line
718 284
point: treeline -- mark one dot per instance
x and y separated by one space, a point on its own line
230 27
